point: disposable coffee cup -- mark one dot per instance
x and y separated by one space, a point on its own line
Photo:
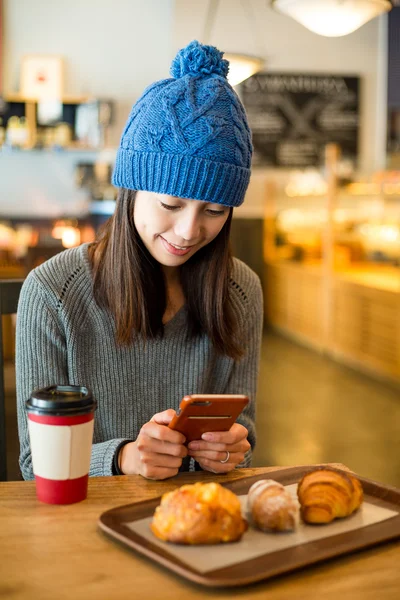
60 422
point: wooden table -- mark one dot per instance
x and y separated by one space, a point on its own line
58 552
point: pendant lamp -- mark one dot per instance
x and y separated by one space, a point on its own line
241 66
332 18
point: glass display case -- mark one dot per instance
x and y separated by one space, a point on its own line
332 266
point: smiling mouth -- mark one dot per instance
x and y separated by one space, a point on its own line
179 247
176 245
174 248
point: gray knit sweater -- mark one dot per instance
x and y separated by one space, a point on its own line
64 337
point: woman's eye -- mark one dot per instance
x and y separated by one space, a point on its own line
215 213
168 206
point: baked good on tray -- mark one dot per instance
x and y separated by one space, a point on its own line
326 494
200 513
271 507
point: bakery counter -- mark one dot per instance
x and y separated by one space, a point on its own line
365 321
372 276
352 315
293 300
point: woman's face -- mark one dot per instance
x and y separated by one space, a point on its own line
173 229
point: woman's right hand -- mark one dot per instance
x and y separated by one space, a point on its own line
157 452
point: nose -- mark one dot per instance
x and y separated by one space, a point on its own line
188 226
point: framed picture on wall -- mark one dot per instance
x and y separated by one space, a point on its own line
41 77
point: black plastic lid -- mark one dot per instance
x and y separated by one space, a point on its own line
61 400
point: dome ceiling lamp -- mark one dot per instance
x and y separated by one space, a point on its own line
241 66
332 18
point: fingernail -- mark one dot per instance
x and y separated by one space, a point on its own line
208 437
193 446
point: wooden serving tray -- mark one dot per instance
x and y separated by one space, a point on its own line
114 523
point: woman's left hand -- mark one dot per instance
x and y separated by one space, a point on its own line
220 451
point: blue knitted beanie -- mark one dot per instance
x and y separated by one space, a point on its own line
188 136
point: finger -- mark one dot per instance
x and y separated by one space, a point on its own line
157 473
164 417
216 466
151 459
243 446
149 445
154 430
211 455
235 434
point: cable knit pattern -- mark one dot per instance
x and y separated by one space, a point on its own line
188 136
64 337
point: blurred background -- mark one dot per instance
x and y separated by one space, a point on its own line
320 81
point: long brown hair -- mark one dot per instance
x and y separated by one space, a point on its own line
130 283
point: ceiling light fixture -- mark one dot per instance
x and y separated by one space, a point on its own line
241 66
332 18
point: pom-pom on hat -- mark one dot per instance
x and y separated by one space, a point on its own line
188 136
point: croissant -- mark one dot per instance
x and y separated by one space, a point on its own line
326 494
271 506
200 513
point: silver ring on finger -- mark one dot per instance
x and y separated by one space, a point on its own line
226 457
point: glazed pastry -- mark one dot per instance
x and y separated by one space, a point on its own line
271 507
326 494
202 513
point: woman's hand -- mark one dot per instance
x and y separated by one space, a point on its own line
215 446
157 452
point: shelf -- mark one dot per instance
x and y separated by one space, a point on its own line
374 276
314 267
55 150
35 125
64 100
385 278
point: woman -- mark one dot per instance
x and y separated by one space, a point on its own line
156 308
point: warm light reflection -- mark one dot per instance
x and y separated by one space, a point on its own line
57 230
293 218
24 237
391 189
365 188
71 237
360 188
6 236
309 182
386 233
67 232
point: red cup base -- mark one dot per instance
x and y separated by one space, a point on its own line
52 491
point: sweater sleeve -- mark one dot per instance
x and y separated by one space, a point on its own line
244 377
41 360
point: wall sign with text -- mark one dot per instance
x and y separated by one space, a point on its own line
293 117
